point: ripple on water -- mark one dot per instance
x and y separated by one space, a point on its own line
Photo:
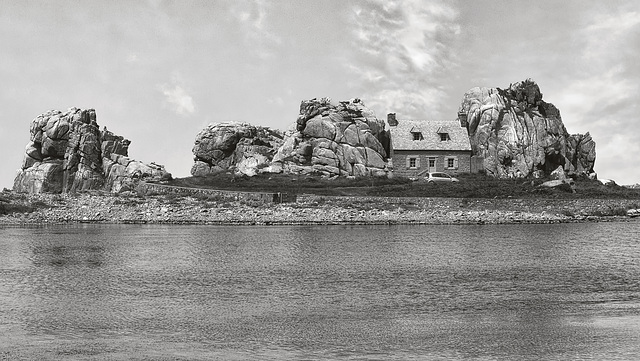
556 292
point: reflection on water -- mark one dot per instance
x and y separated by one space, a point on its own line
446 292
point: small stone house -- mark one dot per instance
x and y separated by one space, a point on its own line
421 146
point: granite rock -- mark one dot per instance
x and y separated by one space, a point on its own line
343 139
335 139
239 147
519 134
68 152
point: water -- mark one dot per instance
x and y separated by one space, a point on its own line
121 292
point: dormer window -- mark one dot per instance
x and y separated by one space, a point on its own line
444 137
416 133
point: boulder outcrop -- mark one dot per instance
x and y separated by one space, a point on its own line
68 152
242 147
518 134
343 139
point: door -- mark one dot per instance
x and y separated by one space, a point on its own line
431 164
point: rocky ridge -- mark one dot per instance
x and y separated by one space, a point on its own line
519 134
68 152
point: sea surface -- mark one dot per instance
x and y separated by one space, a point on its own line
148 292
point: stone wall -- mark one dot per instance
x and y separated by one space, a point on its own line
259 197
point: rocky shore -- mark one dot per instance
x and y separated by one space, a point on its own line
101 207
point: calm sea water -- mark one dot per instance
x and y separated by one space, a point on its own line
121 292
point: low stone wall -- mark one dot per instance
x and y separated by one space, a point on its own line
259 197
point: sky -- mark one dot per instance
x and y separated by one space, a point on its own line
157 71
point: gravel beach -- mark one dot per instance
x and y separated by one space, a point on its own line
165 209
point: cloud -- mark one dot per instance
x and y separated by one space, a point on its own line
276 101
177 99
616 24
132 58
609 35
253 19
406 54
602 96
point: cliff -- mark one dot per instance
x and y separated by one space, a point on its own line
519 134
67 152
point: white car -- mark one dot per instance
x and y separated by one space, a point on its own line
440 178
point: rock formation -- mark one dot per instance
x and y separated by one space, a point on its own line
519 134
68 152
242 147
343 139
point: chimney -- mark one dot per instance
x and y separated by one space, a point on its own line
462 117
391 119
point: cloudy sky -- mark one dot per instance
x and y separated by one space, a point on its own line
158 71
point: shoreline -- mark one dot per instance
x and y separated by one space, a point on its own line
107 208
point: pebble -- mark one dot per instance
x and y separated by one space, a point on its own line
109 208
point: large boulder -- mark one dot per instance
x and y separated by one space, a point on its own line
240 147
335 139
518 134
68 152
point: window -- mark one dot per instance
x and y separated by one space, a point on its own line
444 137
413 162
451 162
417 136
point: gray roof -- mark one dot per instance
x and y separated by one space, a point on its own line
402 137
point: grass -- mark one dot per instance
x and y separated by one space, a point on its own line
274 183
470 186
